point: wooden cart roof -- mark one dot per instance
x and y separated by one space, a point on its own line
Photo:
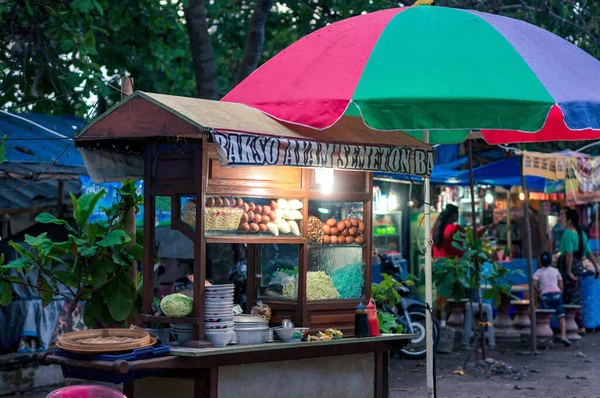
147 115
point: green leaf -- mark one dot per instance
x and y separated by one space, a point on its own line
74 80
46 218
92 310
19 263
84 6
88 251
21 250
114 238
89 42
45 295
98 7
119 297
87 204
74 202
5 293
29 9
3 149
136 252
37 241
445 289
120 259
100 271
66 46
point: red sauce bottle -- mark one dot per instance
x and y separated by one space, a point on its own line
372 317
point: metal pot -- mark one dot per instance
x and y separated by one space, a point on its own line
254 335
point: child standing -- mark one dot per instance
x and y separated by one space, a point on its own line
549 285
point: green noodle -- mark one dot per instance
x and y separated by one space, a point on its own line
349 280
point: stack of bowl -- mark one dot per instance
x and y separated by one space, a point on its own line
251 329
218 315
182 333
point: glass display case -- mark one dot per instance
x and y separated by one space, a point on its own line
269 217
335 263
277 271
335 223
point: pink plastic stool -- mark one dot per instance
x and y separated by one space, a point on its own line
86 392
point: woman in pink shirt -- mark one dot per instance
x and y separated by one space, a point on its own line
549 285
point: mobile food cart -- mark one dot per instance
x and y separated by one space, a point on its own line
236 176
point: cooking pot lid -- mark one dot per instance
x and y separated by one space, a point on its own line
249 319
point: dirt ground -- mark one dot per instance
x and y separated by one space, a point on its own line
551 373
557 372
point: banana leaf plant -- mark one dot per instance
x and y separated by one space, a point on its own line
90 267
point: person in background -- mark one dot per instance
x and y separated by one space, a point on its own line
559 229
549 287
573 247
443 233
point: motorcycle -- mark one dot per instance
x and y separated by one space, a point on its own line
410 313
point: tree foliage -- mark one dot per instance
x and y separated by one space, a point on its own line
55 47
92 266
67 50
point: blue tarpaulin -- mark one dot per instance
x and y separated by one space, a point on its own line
504 173
37 147
34 138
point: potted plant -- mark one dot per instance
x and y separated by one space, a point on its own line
93 266
458 277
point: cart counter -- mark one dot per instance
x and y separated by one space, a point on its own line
346 368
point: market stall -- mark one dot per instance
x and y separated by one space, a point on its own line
237 177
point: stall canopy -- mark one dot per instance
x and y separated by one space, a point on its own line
245 136
505 173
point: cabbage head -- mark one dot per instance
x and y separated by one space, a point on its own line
176 305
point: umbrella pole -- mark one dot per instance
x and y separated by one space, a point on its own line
529 261
474 222
428 287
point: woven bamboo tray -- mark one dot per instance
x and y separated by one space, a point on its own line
97 341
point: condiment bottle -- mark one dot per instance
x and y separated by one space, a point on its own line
361 321
373 320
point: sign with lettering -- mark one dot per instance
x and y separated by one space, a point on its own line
239 149
582 183
551 167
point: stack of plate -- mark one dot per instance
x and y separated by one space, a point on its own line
218 315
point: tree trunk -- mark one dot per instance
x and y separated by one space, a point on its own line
205 68
254 40
70 311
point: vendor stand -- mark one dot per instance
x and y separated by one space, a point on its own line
218 160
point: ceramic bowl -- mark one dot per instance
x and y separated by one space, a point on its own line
218 318
219 288
219 339
219 325
289 335
182 337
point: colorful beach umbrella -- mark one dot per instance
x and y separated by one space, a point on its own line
438 74
449 71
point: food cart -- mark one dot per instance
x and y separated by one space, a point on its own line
236 176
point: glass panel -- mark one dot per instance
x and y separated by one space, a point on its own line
335 253
336 223
335 273
253 216
277 272
187 206
225 264
162 205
